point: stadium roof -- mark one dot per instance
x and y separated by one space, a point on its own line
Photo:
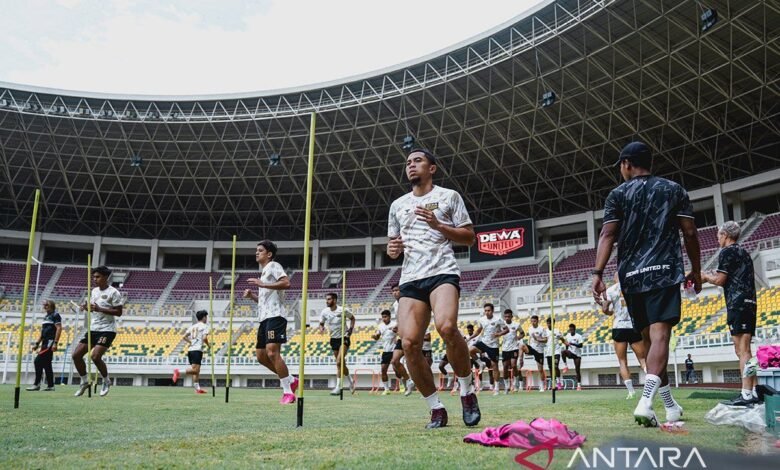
707 103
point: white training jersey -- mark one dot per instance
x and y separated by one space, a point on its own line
574 338
471 342
555 340
620 318
427 252
104 299
532 342
427 345
269 301
511 342
489 328
394 309
197 332
387 336
332 319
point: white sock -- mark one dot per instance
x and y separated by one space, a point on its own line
433 401
629 385
196 385
506 384
386 385
83 379
286 383
409 383
652 382
666 396
747 394
338 382
755 393
105 379
465 385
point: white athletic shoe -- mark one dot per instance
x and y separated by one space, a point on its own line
645 416
674 413
630 395
83 388
106 388
541 388
409 388
335 391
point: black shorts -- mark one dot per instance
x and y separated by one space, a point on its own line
100 338
398 346
427 353
335 343
742 320
421 289
626 335
509 355
271 330
655 306
387 357
492 353
195 357
538 357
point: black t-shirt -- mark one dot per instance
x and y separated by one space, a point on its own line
735 262
649 250
689 364
48 327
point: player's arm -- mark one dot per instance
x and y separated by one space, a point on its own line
186 338
502 332
57 333
461 235
606 307
609 233
351 324
376 336
206 340
476 333
283 283
322 326
250 294
718 278
541 338
691 238
115 311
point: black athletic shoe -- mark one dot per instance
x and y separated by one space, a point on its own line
471 414
438 419
739 401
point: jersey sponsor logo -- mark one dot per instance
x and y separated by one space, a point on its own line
104 296
431 206
501 242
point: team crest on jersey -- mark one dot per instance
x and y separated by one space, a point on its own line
104 296
431 206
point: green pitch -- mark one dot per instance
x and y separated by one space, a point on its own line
158 427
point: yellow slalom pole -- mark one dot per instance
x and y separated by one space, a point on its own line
343 332
89 325
230 322
211 332
552 323
305 292
18 388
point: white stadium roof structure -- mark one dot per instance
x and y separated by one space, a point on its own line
708 103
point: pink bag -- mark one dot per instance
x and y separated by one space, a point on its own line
768 356
522 435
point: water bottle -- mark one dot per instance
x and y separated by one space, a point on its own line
690 291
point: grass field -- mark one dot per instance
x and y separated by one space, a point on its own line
157 427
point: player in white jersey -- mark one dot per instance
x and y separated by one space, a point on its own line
106 305
406 384
427 347
196 336
386 333
573 342
272 332
537 340
553 349
331 316
623 334
510 353
422 225
490 329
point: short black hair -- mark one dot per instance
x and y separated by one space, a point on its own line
269 247
332 294
428 154
394 285
50 302
385 312
509 310
469 326
549 320
201 314
534 316
102 270
572 325
492 307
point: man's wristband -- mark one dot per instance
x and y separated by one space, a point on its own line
597 272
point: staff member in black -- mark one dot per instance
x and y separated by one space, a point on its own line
51 328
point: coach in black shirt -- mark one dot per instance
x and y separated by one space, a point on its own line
645 215
735 275
51 328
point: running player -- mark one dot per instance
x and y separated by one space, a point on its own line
406 384
537 340
196 336
106 305
573 342
272 332
552 349
623 335
489 330
510 353
422 225
331 316
386 333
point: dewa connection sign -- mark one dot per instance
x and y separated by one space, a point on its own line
505 240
